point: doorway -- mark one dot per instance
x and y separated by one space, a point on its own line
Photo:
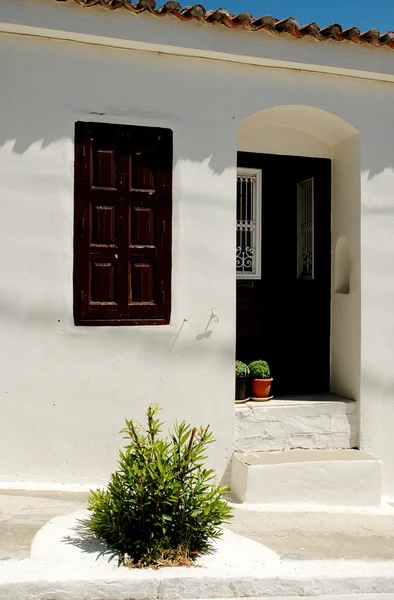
284 268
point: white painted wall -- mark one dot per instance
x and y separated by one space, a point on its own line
346 308
65 390
377 298
170 34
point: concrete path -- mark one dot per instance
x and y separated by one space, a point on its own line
314 535
293 535
348 555
22 514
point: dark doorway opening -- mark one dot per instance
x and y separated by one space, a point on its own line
284 269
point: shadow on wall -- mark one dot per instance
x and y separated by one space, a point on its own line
343 106
378 191
49 85
342 266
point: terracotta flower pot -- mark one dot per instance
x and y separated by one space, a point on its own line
261 388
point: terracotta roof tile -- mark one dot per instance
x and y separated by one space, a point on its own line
372 37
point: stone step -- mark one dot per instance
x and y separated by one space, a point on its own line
322 477
321 421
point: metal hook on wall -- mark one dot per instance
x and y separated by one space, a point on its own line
214 316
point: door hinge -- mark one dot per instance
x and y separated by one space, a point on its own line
81 297
162 297
162 227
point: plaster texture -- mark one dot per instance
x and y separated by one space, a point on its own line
65 391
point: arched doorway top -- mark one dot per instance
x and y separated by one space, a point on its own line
324 125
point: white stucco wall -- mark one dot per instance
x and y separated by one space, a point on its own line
377 298
346 307
65 391
170 35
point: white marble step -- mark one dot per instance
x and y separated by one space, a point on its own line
321 421
323 477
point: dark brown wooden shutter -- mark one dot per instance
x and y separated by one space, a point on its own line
123 222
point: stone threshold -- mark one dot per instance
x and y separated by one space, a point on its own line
298 400
317 421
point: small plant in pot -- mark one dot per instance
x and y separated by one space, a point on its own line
241 378
260 379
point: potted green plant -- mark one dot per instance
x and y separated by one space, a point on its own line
260 379
241 377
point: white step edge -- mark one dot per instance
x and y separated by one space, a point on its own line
323 477
34 580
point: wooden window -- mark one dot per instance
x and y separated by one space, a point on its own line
122 225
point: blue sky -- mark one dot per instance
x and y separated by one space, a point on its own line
364 14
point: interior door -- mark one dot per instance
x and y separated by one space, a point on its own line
284 315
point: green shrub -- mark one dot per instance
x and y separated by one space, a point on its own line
259 369
161 506
241 370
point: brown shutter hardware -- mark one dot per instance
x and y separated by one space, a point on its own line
122 233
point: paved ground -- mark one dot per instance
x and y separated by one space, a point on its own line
22 515
292 535
320 535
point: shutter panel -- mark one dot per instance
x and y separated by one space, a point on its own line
149 206
123 212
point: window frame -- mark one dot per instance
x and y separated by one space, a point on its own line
82 151
248 172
